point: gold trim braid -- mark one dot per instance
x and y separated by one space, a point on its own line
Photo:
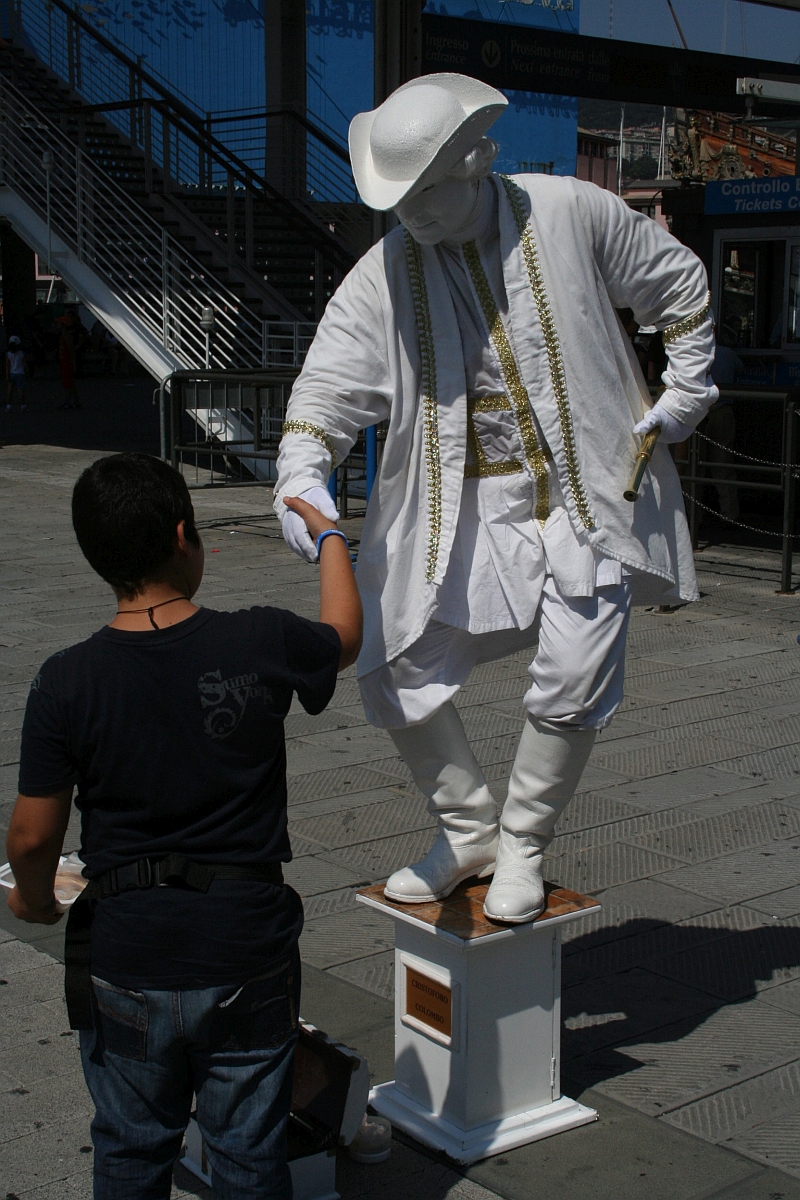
687 325
481 468
499 403
315 431
514 384
554 356
430 413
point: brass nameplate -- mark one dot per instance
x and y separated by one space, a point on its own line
429 1002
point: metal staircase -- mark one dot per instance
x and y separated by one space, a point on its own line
152 219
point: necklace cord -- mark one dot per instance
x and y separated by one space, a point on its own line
149 609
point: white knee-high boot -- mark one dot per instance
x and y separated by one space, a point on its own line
447 772
547 770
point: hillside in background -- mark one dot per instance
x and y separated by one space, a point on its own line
604 114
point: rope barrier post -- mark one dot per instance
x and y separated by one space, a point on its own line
786 588
694 456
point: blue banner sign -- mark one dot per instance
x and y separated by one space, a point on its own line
779 193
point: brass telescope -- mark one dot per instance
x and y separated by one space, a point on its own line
642 459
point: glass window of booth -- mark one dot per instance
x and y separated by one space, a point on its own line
752 293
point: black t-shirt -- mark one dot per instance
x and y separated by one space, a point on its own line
175 741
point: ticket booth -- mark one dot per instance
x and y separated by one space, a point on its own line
747 232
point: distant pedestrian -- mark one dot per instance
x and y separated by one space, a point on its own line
16 374
67 353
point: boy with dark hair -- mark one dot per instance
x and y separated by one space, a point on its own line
169 721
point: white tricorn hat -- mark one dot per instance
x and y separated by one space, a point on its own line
418 134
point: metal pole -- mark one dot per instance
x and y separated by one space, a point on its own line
319 286
231 218
148 149
162 419
165 289
70 54
132 98
175 414
166 151
694 456
49 228
78 204
249 236
208 321
371 438
786 588
48 163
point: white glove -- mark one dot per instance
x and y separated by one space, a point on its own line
672 430
295 534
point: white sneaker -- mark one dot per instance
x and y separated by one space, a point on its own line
517 891
443 868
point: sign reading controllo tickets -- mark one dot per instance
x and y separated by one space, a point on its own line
779 194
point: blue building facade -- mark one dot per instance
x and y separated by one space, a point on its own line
536 133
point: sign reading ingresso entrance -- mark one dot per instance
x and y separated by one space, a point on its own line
531 59
429 1002
780 193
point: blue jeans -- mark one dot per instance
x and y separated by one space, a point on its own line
151 1051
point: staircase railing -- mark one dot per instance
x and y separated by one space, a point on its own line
162 284
171 133
328 175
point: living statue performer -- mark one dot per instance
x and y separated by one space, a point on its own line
483 330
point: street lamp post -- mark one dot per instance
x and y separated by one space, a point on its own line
208 323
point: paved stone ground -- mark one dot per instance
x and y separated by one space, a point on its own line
682 997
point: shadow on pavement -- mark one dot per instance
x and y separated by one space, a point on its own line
115 414
656 983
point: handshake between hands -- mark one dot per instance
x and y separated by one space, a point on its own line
307 517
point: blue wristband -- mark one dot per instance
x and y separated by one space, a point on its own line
330 533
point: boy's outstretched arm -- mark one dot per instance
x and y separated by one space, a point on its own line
34 843
339 601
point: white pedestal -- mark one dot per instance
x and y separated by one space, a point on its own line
477 1024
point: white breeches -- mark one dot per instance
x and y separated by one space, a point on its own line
577 673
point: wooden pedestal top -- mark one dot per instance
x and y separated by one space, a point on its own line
461 914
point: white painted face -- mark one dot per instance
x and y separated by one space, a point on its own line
440 210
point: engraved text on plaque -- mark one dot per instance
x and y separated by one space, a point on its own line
429 1002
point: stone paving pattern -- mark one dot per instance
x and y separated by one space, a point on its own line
681 997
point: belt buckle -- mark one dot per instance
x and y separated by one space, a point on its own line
148 879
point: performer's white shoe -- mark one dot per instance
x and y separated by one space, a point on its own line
517 891
547 769
447 772
444 866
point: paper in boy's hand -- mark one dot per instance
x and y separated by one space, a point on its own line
69 881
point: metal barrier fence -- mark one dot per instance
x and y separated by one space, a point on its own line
223 429
731 468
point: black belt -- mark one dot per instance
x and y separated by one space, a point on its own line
145 873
